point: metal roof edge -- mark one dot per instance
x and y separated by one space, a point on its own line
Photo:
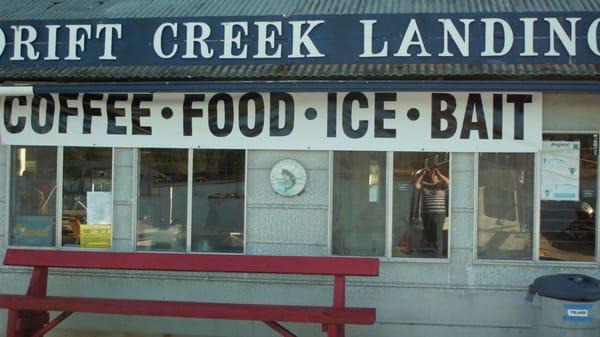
321 86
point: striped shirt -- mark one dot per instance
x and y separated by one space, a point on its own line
434 197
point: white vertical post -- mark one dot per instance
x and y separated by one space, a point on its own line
190 192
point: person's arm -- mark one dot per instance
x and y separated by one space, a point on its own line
442 177
418 184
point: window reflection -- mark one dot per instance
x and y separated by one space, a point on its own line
359 203
33 196
218 201
162 203
505 216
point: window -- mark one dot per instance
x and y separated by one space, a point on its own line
567 199
33 196
218 201
162 199
569 182
417 215
505 206
85 207
358 207
420 213
87 197
201 211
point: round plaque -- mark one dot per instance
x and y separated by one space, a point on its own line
288 178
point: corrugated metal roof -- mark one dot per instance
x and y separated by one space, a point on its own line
89 9
305 72
78 9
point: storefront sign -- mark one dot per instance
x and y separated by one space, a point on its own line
435 38
560 171
382 121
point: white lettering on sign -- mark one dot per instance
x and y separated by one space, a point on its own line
412 37
461 42
368 41
109 31
528 24
383 121
191 40
577 313
556 30
77 41
21 41
233 33
300 38
268 40
2 42
592 37
52 37
159 38
504 37
490 48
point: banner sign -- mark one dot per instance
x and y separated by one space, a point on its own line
374 121
433 38
560 170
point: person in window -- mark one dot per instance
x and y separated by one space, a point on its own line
30 197
433 185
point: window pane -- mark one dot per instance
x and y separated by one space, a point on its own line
162 202
87 197
569 189
505 219
33 196
359 203
218 201
420 213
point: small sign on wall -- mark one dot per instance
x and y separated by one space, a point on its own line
560 170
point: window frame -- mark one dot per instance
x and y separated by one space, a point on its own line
189 191
536 230
58 242
389 202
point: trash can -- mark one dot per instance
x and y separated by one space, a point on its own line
566 305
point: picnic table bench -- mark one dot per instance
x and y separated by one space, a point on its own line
28 315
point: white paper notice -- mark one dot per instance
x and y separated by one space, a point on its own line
560 170
99 208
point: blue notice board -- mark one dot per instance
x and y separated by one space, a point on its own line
32 230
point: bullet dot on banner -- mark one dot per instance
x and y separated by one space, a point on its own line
167 112
413 114
310 113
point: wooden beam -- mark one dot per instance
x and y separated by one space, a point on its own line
38 283
280 329
281 313
12 325
52 324
300 265
339 301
